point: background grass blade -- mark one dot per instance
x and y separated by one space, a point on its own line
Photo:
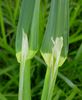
2 23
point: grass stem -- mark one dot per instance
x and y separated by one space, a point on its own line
46 85
24 82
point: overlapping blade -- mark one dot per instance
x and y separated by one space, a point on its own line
24 24
57 26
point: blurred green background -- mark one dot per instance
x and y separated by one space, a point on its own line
69 80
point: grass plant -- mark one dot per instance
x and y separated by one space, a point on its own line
18 23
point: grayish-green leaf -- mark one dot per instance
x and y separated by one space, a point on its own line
34 36
24 23
57 26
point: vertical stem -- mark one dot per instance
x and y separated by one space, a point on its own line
27 82
46 85
24 82
52 84
49 83
53 78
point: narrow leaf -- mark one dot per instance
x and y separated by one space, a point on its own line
57 26
24 23
34 36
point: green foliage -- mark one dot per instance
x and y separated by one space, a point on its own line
69 82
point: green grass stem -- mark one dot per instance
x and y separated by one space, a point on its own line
24 83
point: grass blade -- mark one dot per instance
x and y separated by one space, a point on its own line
55 28
25 48
34 36
55 37
24 24
2 23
